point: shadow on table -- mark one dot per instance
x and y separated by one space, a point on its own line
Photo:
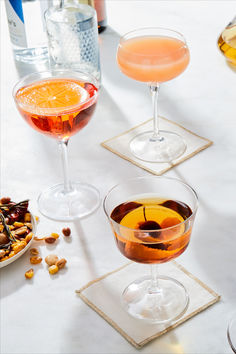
108 42
90 265
215 230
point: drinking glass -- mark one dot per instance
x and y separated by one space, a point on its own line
58 104
152 220
72 32
227 43
231 333
154 56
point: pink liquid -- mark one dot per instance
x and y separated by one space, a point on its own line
152 58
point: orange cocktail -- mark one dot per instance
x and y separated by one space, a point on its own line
57 107
154 55
58 104
152 58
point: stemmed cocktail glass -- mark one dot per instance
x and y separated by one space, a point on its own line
154 56
152 220
58 104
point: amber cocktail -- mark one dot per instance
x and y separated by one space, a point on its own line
159 244
152 220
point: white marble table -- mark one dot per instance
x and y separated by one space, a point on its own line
45 315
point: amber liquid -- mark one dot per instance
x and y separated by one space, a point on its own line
65 124
158 244
227 43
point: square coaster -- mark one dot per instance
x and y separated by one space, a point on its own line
120 145
104 296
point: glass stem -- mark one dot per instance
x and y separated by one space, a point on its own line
64 155
155 93
154 287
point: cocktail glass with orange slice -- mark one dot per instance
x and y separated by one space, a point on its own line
152 220
59 104
154 56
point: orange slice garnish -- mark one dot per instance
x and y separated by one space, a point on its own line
52 96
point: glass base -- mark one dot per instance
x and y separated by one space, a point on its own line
168 147
82 200
166 305
231 333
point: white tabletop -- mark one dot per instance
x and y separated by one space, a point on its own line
45 315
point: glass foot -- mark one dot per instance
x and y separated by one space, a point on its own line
231 333
168 148
82 200
166 305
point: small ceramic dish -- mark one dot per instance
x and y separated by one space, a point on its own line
19 254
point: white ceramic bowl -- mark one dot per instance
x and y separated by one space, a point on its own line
19 254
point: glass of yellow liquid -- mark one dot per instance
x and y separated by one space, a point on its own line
154 56
227 42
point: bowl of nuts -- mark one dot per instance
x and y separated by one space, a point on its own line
17 230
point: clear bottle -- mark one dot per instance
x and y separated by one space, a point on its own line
27 29
227 42
73 37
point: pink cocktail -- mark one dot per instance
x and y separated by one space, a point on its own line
154 55
153 59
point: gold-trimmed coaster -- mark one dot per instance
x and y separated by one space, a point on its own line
104 296
120 145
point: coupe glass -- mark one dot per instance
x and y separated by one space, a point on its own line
153 56
231 333
58 104
152 220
